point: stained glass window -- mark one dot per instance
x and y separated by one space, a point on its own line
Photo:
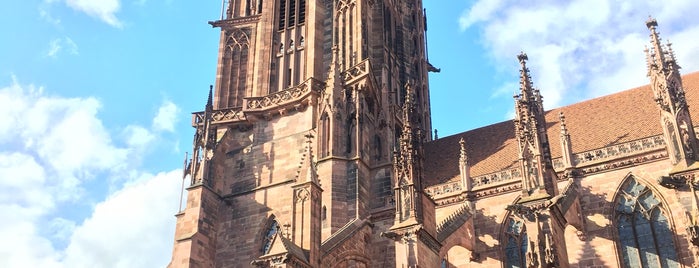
515 243
269 235
645 237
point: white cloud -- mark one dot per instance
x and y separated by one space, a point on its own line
53 148
134 227
167 117
104 10
480 11
582 48
138 136
59 44
54 48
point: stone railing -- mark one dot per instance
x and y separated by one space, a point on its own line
479 182
283 97
626 149
444 188
496 177
581 160
222 116
356 72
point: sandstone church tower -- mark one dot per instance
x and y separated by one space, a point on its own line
292 156
314 149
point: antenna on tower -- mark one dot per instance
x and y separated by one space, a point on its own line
185 170
223 8
430 67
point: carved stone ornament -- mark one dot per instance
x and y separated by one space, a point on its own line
302 195
693 234
672 182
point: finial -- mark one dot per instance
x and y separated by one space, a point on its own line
651 23
522 57
308 137
462 145
286 233
435 134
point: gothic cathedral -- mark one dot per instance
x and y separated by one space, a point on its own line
315 149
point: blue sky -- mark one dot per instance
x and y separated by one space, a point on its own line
96 96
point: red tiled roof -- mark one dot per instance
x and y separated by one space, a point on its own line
609 120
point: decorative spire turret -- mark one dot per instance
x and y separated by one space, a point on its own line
307 171
666 83
210 101
464 168
525 81
566 146
414 229
408 164
659 56
203 145
530 129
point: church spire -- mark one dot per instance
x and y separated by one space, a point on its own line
658 57
530 129
666 83
525 81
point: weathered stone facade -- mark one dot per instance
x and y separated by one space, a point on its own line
314 150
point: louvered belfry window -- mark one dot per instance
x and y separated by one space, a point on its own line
291 13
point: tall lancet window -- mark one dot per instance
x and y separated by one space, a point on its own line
645 234
235 69
515 241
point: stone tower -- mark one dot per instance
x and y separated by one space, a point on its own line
292 163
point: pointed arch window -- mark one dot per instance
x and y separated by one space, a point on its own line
516 242
272 229
645 235
235 70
